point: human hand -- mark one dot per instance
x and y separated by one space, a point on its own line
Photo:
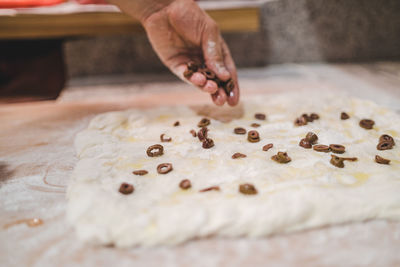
181 32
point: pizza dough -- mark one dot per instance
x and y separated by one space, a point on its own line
304 193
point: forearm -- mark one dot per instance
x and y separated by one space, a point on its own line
141 9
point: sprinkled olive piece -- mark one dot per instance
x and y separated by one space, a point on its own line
321 148
313 117
239 130
253 136
385 142
164 168
126 189
255 125
267 147
386 138
193 132
300 121
337 161
384 145
208 143
202 134
212 188
247 189
305 143
338 149
260 116
344 116
177 123
281 157
203 122
350 159
155 150
367 124
165 139
380 160
185 184
306 117
238 155
140 172
312 138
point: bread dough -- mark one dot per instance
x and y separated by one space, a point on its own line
307 192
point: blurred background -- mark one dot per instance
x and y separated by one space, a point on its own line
48 45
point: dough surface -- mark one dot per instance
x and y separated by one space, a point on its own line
304 193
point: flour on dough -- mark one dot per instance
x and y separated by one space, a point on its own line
307 192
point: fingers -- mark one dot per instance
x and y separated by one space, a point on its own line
210 87
218 58
197 78
219 98
205 85
234 96
213 52
204 45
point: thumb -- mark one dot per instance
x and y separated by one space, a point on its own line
213 52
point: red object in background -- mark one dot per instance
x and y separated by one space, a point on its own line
88 2
28 3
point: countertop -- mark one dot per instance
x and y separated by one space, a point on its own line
37 157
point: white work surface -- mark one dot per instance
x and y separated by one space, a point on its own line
37 157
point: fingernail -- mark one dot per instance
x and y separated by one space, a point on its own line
220 100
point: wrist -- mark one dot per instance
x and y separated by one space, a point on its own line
141 9
148 8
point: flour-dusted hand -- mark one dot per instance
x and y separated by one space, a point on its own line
181 32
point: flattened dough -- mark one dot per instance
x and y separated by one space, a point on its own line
307 192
